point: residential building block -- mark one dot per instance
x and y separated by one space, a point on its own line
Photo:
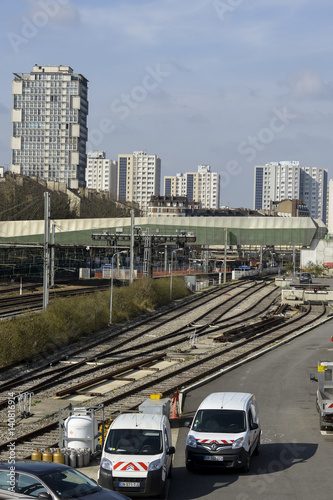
49 124
139 178
202 186
101 173
277 181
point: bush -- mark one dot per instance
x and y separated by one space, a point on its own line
69 319
314 269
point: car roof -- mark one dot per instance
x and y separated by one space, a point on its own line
34 466
139 421
226 401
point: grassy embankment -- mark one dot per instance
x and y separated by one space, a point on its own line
70 319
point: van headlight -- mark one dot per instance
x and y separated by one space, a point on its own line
191 441
155 465
106 464
238 443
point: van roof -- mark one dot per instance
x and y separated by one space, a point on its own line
139 421
226 401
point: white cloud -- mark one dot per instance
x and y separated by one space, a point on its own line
149 22
57 11
307 84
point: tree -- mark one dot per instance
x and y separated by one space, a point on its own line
313 268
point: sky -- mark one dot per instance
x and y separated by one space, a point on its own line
228 83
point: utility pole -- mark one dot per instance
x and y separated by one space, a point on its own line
206 257
52 256
147 255
225 255
165 258
111 295
132 248
46 269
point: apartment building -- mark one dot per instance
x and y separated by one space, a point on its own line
330 207
171 206
202 186
277 181
290 208
49 124
101 173
139 178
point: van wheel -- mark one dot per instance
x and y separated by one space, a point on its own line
257 448
322 427
189 467
163 492
246 467
170 472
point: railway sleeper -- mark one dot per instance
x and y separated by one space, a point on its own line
249 329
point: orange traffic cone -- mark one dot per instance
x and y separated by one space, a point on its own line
175 402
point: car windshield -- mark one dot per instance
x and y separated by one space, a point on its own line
134 442
69 483
227 421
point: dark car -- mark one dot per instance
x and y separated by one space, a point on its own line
305 278
50 481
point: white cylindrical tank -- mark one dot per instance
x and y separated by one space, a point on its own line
81 431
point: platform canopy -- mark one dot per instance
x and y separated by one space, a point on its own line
211 231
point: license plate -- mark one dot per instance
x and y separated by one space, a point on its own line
213 458
129 485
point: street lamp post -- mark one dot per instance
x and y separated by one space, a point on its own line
282 255
294 256
172 252
111 297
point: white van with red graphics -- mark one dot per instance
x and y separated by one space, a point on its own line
137 455
224 433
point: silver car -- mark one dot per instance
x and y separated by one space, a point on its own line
49 481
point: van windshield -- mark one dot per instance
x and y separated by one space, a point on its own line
230 421
134 442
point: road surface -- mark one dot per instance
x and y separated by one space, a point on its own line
296 458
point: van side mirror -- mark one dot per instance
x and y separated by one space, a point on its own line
187 423
171 450
254 426
313 378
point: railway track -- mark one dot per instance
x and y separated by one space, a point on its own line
126 340
14 306
182 365
163 315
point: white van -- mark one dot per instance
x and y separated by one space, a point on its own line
225 432
137 455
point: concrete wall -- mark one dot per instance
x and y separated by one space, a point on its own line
283 283
238 273
320 252
288 295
